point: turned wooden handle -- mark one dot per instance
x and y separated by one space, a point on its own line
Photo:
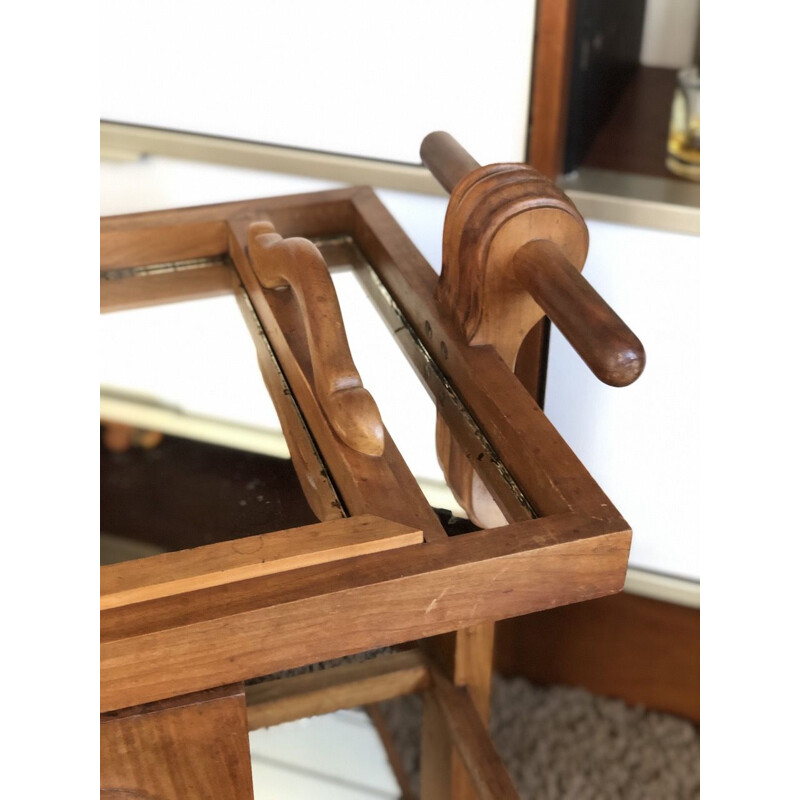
447 160
605 343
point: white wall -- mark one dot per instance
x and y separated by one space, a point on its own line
670 33
355 76
640 442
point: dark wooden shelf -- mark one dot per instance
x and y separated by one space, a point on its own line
634 138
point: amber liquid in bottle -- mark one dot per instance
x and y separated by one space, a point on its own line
683 144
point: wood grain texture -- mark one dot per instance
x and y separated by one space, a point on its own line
641 650
383 485
168 287
240 629
187 747
346 686
262 625
552 72
467 730
250 557
538 459
610 349
465 658
312 473
296 264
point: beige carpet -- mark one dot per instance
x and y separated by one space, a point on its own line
562 743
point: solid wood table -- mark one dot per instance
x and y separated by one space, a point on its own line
181 632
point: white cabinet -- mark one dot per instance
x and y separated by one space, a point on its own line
640 442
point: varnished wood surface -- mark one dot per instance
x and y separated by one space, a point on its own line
309 469
610 349
188 747
137 292
447 160
383 485
346 686
309 614
296 264
550 475
250 557
578 550
641 650
489 778
552 72
465 658
245 628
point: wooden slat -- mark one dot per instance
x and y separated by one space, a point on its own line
251 557
464 429
542 464
169 287
263 625
139 247
309 214
347 686
490 779
645 651
311 472
464 657
186 747
367 484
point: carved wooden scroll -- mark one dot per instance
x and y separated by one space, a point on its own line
297 264
514 245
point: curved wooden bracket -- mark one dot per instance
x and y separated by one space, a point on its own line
297 264
493 212
514 245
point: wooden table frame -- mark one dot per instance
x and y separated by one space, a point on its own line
565 541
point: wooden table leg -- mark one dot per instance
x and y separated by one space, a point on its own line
194 746
466 658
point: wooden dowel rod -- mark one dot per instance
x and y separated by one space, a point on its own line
608 347
606 344
447 160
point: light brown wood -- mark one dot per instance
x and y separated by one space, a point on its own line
121 289
187 747
383 485
464 657
552 479
243 629
644 651
296 264
605 343
347 686
489 778
227 562
552 72
514 245
262 625
129 247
